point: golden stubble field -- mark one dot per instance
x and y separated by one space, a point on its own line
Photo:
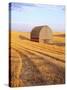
34 63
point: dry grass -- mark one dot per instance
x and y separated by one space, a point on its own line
34 63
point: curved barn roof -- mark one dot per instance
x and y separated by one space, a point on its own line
36 30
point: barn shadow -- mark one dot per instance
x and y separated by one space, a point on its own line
23 38
58 44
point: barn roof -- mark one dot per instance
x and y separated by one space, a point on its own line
36 30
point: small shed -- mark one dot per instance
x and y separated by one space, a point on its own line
41 34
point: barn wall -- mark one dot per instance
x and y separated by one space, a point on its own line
35 34
45 33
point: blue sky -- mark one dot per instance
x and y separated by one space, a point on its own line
26 16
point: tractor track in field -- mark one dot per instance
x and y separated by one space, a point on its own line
37 70
48 54
30 75
49 49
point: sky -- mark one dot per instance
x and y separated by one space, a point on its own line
25 16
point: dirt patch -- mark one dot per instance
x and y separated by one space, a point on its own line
60 35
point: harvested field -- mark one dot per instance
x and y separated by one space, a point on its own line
34 63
